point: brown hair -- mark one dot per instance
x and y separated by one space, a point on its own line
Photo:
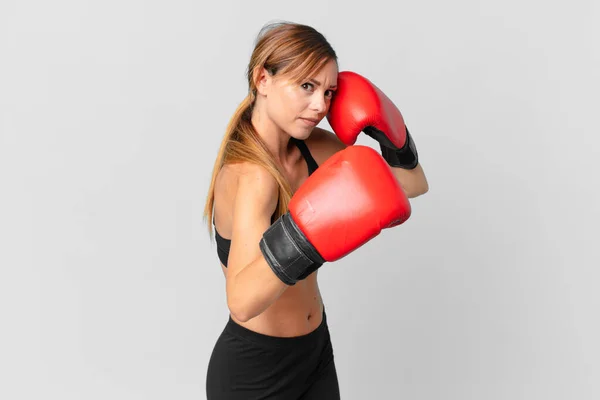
295 50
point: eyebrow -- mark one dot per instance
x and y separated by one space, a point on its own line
319 83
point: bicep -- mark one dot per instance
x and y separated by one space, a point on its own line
255 202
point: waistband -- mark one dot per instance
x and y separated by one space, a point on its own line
277 341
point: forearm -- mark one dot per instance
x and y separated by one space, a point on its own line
413 181
253 289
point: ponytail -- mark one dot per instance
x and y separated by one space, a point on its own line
241 143
295 50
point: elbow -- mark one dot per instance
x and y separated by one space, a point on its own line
417 191
239 309
421 188
239 316
241 299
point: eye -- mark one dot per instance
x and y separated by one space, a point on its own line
329 93
307 85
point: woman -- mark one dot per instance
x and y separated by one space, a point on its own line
276 343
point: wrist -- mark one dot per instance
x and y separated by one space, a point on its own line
287 251
406 157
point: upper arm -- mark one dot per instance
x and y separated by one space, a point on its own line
323 144
254 204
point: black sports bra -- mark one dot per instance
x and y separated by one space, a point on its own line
224 244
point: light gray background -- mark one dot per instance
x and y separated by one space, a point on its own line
111 115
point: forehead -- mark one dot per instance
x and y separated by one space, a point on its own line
326 76
328 73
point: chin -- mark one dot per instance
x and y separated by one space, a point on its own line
301 130
303 134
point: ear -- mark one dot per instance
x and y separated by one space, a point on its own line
263 80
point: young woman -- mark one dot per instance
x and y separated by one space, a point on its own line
276 344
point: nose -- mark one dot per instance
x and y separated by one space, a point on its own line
319 104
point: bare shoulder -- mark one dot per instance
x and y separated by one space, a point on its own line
242 172
243 187
256 189
323 144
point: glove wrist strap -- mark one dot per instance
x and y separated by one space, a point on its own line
406 157
287 251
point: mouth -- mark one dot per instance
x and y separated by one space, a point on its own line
310 121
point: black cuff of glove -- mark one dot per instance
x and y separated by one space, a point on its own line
287 251
406 157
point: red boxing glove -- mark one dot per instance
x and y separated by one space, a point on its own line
353 196
360 106
345 203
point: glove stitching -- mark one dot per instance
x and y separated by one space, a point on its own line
292 241
273 260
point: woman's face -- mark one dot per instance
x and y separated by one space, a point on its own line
298 108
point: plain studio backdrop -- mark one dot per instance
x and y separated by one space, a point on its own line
112 113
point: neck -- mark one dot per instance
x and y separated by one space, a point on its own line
277 141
